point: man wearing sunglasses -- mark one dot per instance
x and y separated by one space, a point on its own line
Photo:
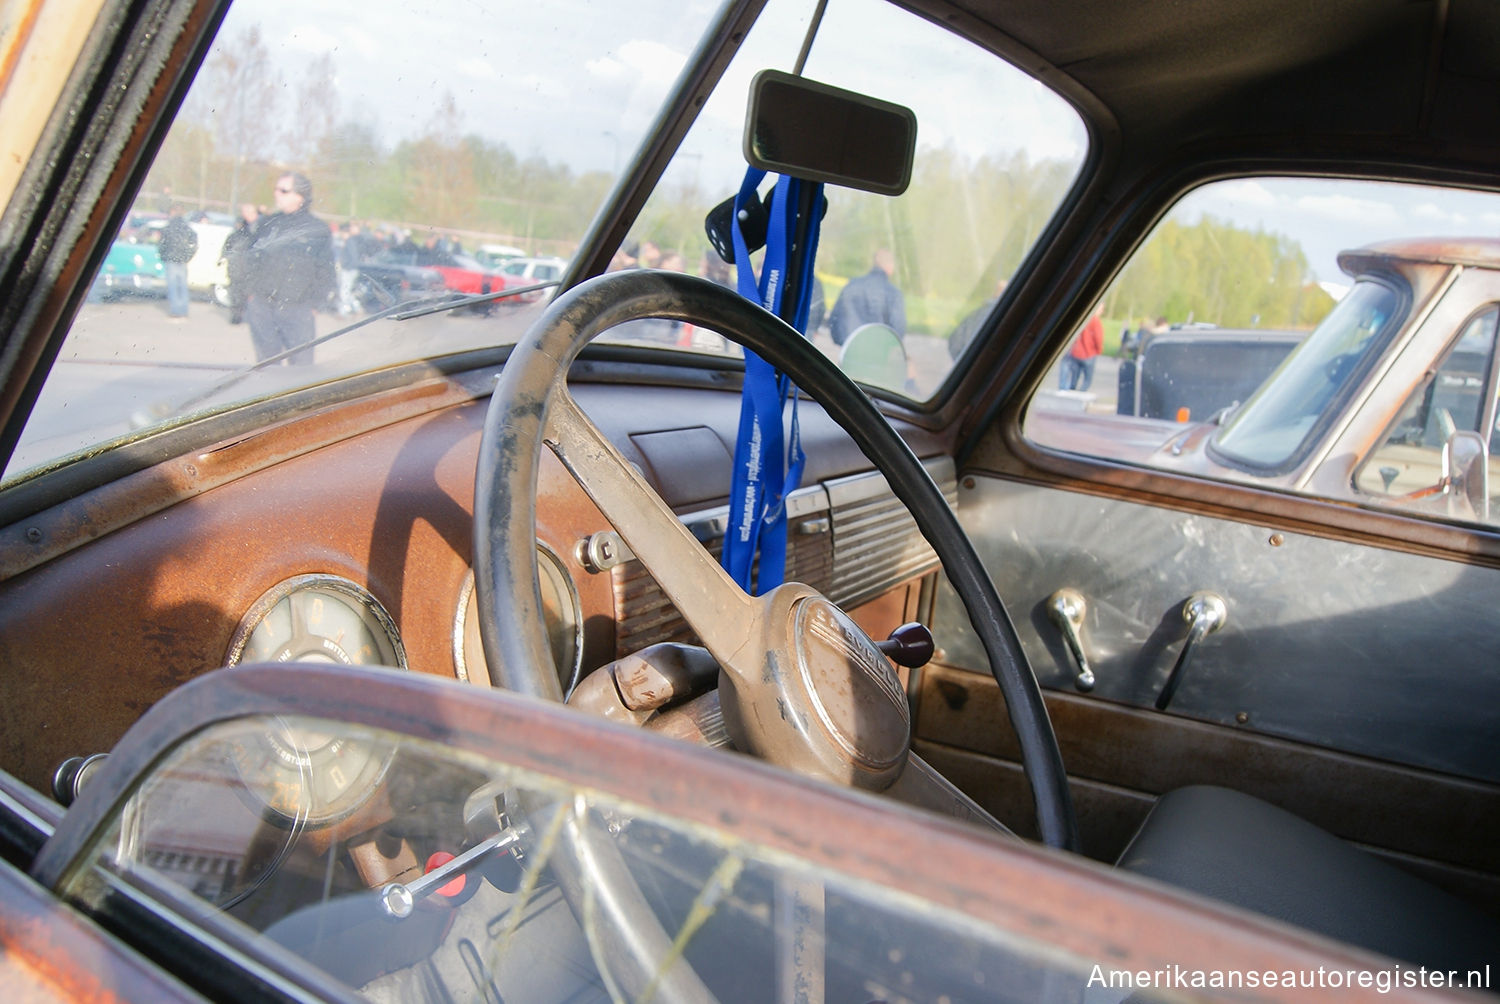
289 271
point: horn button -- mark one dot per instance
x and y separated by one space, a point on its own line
826 700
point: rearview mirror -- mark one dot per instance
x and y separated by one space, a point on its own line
809 130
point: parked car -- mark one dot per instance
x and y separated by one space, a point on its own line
207 271
131 268
495 255
463 274
456 273
1184 374
385 281
1374 408
519 272
415 672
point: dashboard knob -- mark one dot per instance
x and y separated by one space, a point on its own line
910 645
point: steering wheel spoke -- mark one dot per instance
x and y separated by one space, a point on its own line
800 684
719 611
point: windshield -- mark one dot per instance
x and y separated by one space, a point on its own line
1275 427
331 162
538 876
996 154
332 168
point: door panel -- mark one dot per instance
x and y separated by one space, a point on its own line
1378 653
1120 758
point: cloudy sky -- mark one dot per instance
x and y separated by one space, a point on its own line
580 82
1331 215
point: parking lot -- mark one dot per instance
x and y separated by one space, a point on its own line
130 354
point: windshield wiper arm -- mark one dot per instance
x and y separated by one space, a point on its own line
159 411
468 301
398 312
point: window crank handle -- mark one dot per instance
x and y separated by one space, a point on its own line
1066 608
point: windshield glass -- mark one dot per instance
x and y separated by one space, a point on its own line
332 161
332 166
1270 431
996 153
411 871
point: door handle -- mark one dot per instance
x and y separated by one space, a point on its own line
1066 608
1205 614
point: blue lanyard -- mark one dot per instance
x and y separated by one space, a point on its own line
761 481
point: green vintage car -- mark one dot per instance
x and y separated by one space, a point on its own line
130 269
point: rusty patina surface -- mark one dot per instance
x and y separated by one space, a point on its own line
49 953
1034 893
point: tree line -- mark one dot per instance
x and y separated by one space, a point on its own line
1215 272
963 226
225 149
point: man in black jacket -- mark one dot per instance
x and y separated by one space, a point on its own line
236 260
869 299
289 271
179 242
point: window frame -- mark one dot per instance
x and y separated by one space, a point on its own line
991 440
1329 419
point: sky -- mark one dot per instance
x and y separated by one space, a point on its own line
580 81
586 78
1331 215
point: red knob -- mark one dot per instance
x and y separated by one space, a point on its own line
453 887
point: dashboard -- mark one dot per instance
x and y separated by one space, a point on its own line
344 535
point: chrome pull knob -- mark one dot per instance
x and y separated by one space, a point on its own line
1066 608
1205 613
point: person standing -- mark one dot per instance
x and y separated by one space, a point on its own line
290 272
351 256
963 335
869 299
236 260
1078 365
179 242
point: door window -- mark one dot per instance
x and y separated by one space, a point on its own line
1412 466
1269 330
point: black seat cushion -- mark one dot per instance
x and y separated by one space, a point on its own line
1241 850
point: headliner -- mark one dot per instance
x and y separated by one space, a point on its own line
1415 80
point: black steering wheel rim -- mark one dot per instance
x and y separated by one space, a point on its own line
509 464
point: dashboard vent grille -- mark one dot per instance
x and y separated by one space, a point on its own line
850 539
876 545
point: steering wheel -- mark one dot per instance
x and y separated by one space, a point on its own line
799 683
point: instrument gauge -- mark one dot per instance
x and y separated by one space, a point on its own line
300 776
562 616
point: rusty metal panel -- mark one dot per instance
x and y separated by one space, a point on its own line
1035 893
48 952
92 638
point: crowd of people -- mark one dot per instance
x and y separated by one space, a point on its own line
285 263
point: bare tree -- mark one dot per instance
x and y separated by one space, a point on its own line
442 188
315 113
244 90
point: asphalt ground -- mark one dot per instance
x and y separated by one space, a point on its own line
126 360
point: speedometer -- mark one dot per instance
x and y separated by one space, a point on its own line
318 618
301 777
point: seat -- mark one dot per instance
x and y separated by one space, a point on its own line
1245 852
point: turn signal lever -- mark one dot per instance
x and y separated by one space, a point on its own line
910 645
